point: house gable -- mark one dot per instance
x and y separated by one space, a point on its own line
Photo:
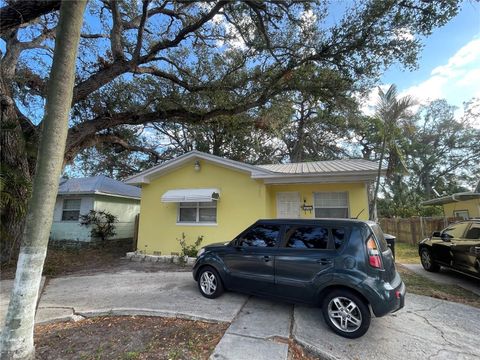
147 176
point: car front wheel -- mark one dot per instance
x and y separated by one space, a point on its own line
346 313
427 261
209 283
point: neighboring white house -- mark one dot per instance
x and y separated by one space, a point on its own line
78 196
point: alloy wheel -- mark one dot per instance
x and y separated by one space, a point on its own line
208 283
426 259
344 314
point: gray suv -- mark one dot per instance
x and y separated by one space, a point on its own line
344 266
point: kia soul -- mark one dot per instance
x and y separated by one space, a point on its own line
343 266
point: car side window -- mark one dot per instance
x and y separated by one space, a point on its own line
307 237
456 230
473 232
260 236
338 235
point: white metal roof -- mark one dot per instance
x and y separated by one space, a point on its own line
308 172
191 195
100 185
319 167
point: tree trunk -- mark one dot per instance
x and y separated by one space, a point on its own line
15 174
373 206
15 169
16 341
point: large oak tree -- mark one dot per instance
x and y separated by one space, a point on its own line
187 62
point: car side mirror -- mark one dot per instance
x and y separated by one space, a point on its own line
436 234
445 237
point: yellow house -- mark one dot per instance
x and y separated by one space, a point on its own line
464 205
199 194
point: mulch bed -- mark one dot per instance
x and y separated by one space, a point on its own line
132 337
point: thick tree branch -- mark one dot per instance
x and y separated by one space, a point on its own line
102 139
23 11
164 44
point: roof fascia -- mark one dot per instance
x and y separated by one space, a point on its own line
90 193
171 165
304 179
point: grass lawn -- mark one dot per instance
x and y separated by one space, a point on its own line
406 253
417 284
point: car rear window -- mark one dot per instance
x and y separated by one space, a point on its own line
380 238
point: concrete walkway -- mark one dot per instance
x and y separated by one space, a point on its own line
260 329
447 276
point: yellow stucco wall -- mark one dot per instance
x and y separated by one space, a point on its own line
473 207
242 202
357 197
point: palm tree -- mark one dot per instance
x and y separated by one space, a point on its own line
390 111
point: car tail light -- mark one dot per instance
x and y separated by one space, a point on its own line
374 258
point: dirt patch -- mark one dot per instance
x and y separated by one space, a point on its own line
91 261
298 352
128 338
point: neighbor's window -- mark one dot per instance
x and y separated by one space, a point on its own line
71 209
331 204
200 212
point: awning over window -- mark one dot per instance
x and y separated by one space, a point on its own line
191 195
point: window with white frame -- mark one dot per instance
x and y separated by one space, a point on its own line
199 212
331 204
71 209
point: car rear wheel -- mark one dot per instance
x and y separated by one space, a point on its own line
427 261
346 313
209 283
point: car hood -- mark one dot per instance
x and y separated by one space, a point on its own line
216 245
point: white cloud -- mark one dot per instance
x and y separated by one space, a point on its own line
460 76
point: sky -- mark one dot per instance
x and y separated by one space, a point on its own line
449 64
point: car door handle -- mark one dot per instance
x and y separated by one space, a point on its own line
266 258
324 261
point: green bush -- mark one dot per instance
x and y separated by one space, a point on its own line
189 250
102 223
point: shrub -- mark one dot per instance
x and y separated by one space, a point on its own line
189 250
102 223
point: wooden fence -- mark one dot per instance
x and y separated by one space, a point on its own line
413 230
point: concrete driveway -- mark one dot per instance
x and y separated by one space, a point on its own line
260 329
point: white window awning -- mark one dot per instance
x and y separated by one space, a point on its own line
191 195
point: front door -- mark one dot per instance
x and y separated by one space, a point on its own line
250 263
288 205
